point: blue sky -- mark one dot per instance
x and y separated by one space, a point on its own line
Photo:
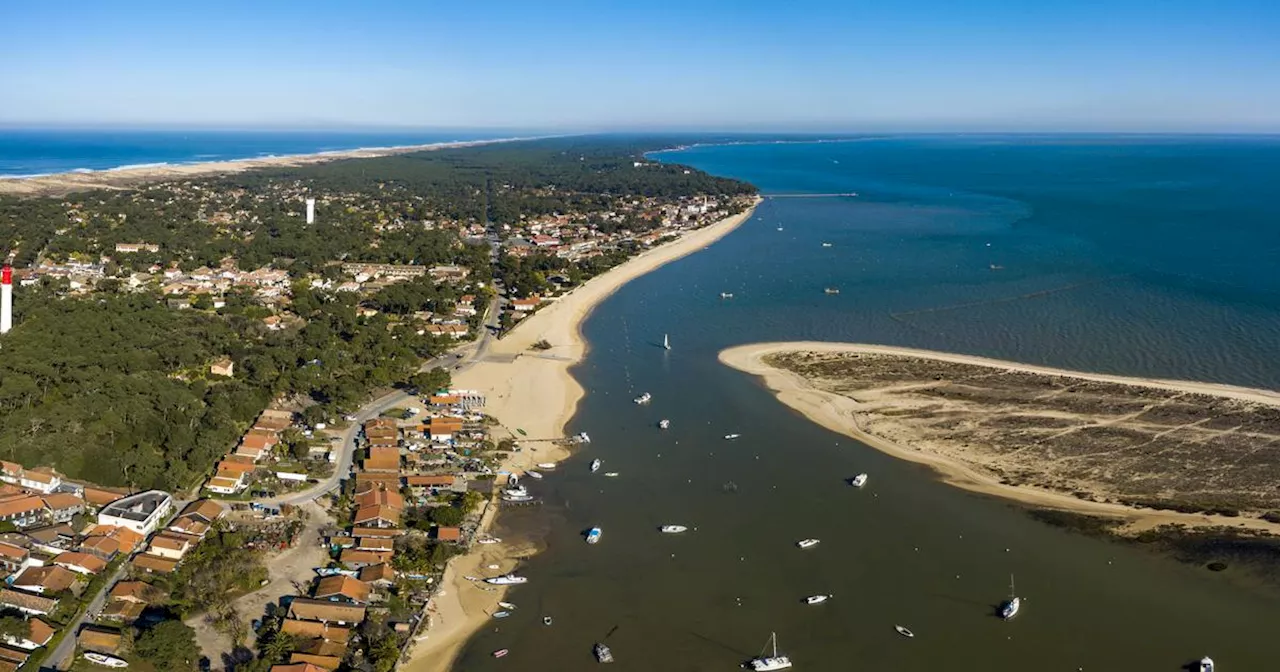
848 65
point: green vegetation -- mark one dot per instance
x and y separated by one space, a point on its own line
212 575
170 646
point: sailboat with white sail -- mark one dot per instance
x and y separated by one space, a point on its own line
666 342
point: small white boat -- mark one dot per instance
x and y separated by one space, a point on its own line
730 437
903 631
103 659
507 580
666 342
472 578
584 438
726 295
831 290
507 605
1205 664
816 599
807 543
673 529
643 399
611 474
546 620
664 424
603 654
501 614
593 535
826 244
595 465
1009 608
763 663
533 474
779 228
517 498
500 653
489 540
858 481
546 465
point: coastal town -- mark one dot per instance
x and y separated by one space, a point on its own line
318 537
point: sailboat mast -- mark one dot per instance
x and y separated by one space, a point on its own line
774 637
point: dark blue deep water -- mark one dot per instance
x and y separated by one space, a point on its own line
1145 256
41 152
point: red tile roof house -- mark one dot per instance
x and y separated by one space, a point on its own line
23 510
342 589
27 603
357 559
171 545
377 516
81 563
12 557
39 634
448 534
48 579
63 506
307 609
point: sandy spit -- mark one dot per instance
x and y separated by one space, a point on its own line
836 413
126 178
532 390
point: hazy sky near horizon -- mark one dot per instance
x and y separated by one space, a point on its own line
828 65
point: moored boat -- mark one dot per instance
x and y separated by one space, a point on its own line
500 653
595 465
501 614
1205 664
858 481
546 465
546 620
611 474
603 654
593 535
664 424
807 543
730 437
726 295
831 290
533 474
489 540
1009 608
816 599
903 631
507 605
103 659
643 399
673 529
506 580
763 663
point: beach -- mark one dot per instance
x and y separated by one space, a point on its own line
128 177
532 390
842 414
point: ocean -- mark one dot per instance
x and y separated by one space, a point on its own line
1137 256
26 153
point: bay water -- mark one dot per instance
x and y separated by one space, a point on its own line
1140 256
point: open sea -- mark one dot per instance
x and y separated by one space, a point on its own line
1143 256
25 153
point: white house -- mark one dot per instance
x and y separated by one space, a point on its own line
141 513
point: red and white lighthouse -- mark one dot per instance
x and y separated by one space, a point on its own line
6 299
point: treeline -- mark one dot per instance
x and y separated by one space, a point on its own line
115 389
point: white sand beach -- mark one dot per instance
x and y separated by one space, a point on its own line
532 390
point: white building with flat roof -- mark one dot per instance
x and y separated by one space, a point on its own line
143 513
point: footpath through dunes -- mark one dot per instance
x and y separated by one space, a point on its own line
1149 451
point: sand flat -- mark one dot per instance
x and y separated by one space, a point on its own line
1089 443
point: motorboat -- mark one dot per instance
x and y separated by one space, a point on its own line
816 599
763 663
595 465
826 244
611 474
507 605
903 631
533 474
1205 664
507 580
489 540
584 438
726 295
831 290
807 543
1009 608
673 529
664 424
546 620
730 437
500 653
546 465
603 654
593 535
103 659
858 481
517 498
517 491
501 614
643 399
